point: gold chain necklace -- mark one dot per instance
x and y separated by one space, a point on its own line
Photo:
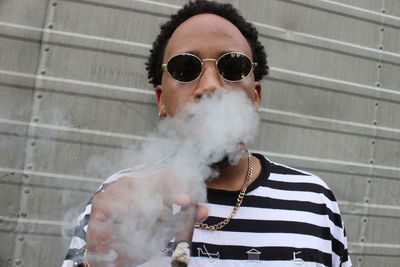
239 201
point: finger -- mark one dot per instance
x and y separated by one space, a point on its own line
202 213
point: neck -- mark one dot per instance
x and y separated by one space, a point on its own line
231 177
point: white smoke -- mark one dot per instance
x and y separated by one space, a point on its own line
207 131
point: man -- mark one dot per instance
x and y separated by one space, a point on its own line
262 212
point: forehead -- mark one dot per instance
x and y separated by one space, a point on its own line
208 36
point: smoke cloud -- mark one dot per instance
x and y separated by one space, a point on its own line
178 160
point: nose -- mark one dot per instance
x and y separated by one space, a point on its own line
209 80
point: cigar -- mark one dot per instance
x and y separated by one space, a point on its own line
183 236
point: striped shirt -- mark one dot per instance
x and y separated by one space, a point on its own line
288 217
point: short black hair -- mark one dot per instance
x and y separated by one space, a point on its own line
227 11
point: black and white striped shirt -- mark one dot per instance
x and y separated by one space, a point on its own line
288 218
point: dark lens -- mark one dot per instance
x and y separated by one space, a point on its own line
184 68
234 66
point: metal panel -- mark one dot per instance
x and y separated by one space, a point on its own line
312 61
28 13
286 139
15 103
316 101
392 7
298 17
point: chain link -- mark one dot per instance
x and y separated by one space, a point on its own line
239 201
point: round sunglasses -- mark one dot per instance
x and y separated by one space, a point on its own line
231 66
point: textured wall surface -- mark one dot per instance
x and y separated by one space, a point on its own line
74 93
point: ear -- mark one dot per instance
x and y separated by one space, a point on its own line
257 94
160 101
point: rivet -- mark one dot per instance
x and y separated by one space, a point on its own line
376 103
380 47
35 119
382 29
33 143
18 261
383 11
21 238
47 49
373 142
375 122
379 66
27 191
371 161
364 220
50 26
43 72
378 85
367 200
369 181
362 239
54 3
360 259
39 96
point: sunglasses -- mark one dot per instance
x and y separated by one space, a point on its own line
231 66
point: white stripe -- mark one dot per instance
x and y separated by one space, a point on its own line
209 262
77 243
67 263
307 196
289 178
248 213
87 210
261 239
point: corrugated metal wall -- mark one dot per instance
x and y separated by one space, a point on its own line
73 88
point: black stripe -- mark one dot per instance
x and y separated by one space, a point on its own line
271 203
75 254
304 187
285 170
337 246
258 226
79 231
267 253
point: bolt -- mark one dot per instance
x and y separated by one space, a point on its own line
378 85
24 215
369 181
364 220
18 261
33 143
375 122
43 72
39 96
371 161
50 26
27 191
35 119
54 3
21 238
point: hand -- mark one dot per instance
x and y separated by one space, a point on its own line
132 220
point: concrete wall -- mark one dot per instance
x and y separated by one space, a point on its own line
73 88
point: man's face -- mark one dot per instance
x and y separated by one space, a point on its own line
206 36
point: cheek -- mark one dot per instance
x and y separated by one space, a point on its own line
175 99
